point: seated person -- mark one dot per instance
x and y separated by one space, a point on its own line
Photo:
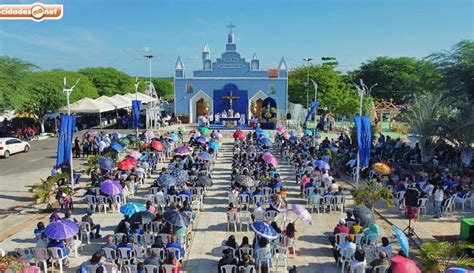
258 191
110 242
313 196
356 228
94 260
171 259
88 219
340 228
347 244
359 258
125 242
231 242
39 229
382 260
42 241
140 267
246 261
59 244
174 243
153 259
385 247
227 259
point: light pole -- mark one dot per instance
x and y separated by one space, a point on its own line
307 60
136 98
67 92
315 110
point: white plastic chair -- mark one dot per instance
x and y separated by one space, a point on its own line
139 253
161 253
129 268
168 268
271 215
151 269
247 269
57 257
339 201
175 251
345 257
328 203
280 256
41 256
357 268
85 231
380 269
358 239
91 202
422 205
340 238
229 268
463 200
245 250
102 204
245 219
124 256
110 254
164 237
26 254
232 220
244 201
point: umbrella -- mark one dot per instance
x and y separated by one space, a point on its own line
149 135
132 208
267 142
364 215
381 168
91 132
61 229
245 180
308 132
117 146
201 139
176 218
183 150
127 164
203 130
302 213
321 164
277 202
132 138
262 133
270 159
280 130
111 187
239 134
205 156
124 141
158 146
265 230
141 217
204 180
183 128
402 239
401 264
213 145
106 163
457 270
116 135
135 154
219 136
181 175
167 180
175 137
293 133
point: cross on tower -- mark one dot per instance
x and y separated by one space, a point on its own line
230 26
230 98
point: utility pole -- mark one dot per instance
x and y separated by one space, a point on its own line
67 92
307 60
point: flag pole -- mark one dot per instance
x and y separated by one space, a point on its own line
361 90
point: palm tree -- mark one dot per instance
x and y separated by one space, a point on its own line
45 191
436 256
425 119
371 192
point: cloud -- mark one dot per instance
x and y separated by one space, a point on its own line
137 50
41 41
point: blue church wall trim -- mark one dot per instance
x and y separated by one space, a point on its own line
240 105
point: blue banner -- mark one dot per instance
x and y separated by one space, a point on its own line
66 134
364 136
314 106
136 112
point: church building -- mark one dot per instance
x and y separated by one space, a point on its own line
229 83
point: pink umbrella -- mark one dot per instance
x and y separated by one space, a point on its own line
280 130
302 213
401 264
285 135
135 154
270 159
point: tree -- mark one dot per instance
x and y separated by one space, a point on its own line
164 87
109 81
44 91
436 256
12 82
45 191
400 78
371 192
425 119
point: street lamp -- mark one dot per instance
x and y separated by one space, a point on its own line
67 92
307 60
315 110
136 98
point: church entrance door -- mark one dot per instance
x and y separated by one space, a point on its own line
200 111
259 106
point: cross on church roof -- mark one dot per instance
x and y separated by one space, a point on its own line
230 26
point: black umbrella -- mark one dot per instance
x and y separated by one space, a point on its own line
364 215
204 180
142 217
176 218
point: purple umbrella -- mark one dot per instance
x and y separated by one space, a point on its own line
205 156
265 141
61 229
181 175
302 213
167 180
201 140
106 163
321 164
183 150
111 187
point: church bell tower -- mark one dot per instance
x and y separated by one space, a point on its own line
230 46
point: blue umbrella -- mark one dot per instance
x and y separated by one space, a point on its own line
262 132
213 145
111 187
308 132
402 239
205 156
176 218
106 163
175 137
61 229
116 146
167 180
293 133
181 175
132 208
267 142
201 139
117 135
265 230
321 164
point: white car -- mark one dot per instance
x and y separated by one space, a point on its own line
10 145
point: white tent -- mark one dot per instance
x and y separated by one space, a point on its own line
121 98
88 105
142 97
118 104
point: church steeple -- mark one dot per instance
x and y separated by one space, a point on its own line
179 69
206 53
254 63
230 46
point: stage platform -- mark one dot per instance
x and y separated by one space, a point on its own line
223 128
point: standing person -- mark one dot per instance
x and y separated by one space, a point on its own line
438 197
77 147
290 237
85 148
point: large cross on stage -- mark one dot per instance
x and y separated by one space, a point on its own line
230 98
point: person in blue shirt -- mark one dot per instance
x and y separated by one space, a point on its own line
59 244
39 229
258 191
174 243
245 190
125 242
310 184
278 183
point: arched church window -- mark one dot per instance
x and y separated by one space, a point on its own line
189 87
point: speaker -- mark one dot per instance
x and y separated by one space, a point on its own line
411 197
467 229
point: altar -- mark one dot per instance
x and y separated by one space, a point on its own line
230 122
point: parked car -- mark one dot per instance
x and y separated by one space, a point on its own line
10 145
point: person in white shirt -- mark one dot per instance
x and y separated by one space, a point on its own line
258 213
438 197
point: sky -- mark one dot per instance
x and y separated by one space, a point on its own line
118 33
